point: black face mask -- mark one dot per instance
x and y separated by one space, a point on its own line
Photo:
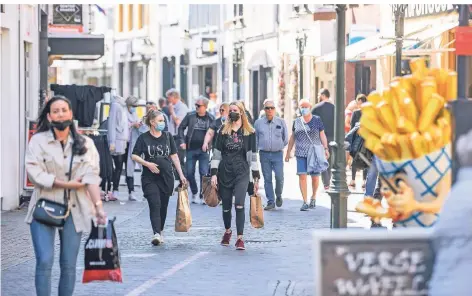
61 125
234 116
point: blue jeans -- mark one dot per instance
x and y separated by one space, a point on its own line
203 159
272 161
372 184
43 242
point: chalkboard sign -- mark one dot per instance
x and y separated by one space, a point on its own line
373 262
67 14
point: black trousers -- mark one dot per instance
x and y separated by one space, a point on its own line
354 172
326 175
129 180
238 190
158 202
118 163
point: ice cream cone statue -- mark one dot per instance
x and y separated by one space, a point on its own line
408 129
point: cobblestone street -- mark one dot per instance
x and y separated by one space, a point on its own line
278 259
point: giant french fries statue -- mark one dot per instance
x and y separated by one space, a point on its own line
408 129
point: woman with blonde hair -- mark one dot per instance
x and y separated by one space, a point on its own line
234 155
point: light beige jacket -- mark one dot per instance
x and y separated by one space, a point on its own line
46 160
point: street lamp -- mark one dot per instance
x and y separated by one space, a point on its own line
338 190
399 13
238 57
301 44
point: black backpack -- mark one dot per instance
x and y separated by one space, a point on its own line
357 146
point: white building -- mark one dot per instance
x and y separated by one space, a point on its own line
19 94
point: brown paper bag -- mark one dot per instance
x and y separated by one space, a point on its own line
210 194
256 211
183 217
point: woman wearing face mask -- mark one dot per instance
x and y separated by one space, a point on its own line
134 124
234 156
215 127
55 150
155 150
306 131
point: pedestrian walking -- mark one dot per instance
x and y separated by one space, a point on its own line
215 127
373 185
307 130
235 155
325 110
272 137
57 153
196 123
177 111
155 150
152 105
356 117
134 124
118 137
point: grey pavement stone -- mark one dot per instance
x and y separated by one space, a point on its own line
278 259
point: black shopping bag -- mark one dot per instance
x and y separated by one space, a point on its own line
102 257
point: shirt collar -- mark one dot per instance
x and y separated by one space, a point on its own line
51 138
464 174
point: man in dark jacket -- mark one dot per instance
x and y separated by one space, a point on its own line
325 110
197 123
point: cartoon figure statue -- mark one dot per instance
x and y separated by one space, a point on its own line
408 128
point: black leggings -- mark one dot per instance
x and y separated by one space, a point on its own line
158 202
129 180
354 172
118 162
238 190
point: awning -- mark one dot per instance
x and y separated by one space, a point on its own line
411 46
76 46
357 50
259 59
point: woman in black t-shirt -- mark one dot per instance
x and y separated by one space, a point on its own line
234 155
157 179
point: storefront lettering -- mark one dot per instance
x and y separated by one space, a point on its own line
420 10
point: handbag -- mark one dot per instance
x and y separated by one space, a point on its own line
256 210
316 159
52 213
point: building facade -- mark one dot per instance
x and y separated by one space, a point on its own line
19 89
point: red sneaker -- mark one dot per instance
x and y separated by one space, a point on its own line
240 244
226 238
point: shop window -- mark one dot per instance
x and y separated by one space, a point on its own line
238 10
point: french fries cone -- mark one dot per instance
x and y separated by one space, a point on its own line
418 67
418 144
408 108
373 125
372 208
368 110
366 134
430 111
390 145
429 142
380 151
386 116
438 138
446 132
440 76
427 89
387 95
408 84
451 86
371 143
375 97
405 151
404 126
398 95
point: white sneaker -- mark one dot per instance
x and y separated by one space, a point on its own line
131 197
162 237
156 239
195 199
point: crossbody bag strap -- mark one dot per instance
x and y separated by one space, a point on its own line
67 195
306 132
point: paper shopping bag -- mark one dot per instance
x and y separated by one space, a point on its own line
256 211
210 194
183 217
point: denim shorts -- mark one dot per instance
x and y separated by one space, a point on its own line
302 164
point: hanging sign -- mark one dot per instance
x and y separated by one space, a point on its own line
420 10
368 263
67 18
464 41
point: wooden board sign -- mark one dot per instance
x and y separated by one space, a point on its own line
373 262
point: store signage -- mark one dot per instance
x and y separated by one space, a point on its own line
209 46
420 10
464 41
367 263
67 14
